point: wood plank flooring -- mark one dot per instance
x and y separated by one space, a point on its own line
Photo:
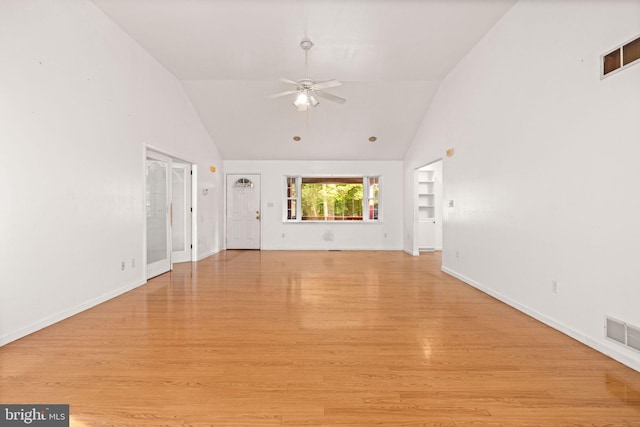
310 338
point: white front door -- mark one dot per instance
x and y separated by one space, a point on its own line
243 211
180 212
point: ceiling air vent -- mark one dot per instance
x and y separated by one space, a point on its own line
622 333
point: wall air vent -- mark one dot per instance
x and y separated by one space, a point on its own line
622 333
633 337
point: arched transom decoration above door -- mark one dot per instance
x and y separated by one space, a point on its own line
243 183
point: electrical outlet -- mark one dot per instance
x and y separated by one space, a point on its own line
457 254
133 262
555 287
122 266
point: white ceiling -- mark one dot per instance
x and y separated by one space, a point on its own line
390 56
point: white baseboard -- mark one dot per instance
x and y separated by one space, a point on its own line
208 254
411 252
50 320
345 249
584 339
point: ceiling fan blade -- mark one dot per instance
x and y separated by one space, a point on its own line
278 95
330 97
326 84
291 82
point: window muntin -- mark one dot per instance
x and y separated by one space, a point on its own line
332 198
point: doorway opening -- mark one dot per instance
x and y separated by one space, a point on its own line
169 211
428 230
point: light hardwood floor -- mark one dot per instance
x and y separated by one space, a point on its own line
250 338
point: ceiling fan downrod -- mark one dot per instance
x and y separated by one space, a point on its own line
306 45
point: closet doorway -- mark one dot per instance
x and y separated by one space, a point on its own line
428 223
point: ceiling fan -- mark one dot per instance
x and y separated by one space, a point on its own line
307 89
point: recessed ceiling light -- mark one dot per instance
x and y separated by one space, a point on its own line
297 138
373 139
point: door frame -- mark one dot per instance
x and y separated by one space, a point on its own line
226 208
150 151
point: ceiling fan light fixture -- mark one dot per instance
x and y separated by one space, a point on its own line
301 100
304 100
308 90
313 101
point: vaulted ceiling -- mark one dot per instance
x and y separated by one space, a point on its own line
390 56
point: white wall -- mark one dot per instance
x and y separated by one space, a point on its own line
545 172
384 235
80 100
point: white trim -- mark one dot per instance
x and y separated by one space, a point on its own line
333 221
168 154
408 251
55 318
578 336
208 254
333 249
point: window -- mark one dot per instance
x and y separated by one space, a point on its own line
631 52
292 198
611 62
332 198
622 56
372 197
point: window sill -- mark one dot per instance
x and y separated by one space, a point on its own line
378 221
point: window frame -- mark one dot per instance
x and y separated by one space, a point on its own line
366 197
